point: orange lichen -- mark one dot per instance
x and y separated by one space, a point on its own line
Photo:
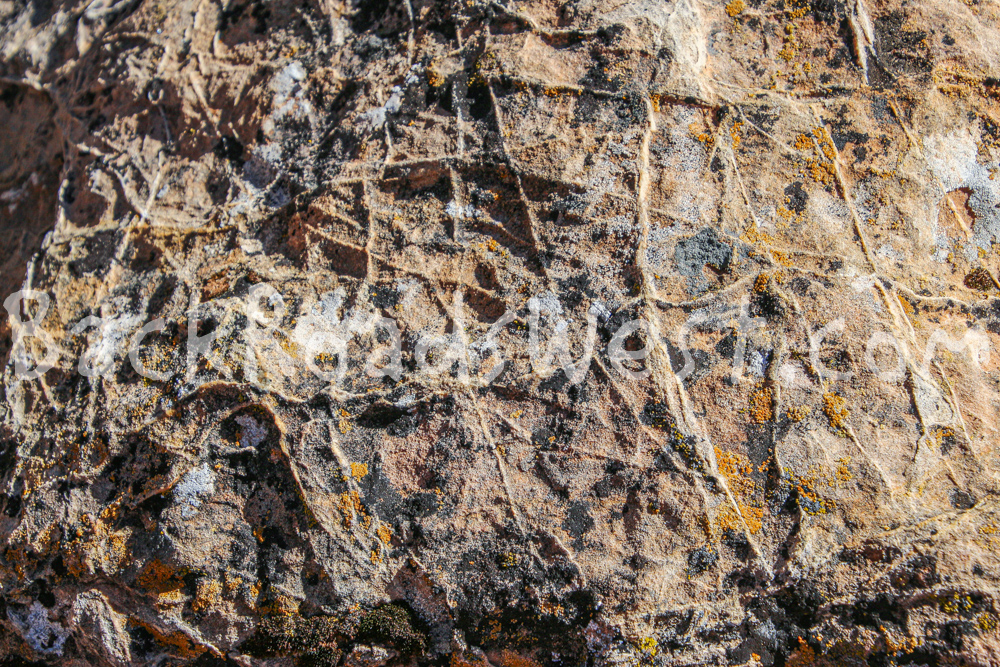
208 594
802 656
344 425
907 306
835 409
938 434
804 143
509 658
821 172
159 578
809 499
753 517
735 8
434 78
359 470
350 504
176 639
843 471
736 468
760 405
734 133
703 137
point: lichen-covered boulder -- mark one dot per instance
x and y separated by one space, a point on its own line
482 333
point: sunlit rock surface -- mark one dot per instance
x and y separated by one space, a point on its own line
786 213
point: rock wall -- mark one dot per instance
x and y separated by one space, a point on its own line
738 262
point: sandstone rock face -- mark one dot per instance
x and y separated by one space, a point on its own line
476 333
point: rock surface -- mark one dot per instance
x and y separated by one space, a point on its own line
798 466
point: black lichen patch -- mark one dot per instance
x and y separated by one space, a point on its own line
766 302
555 626
701 362
384 296
962 500
916 573
704 249
878 610
394 420
578 523
796 197
900 51
700 560
737 541
230 148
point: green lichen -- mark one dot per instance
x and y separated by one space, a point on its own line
277 636
391 625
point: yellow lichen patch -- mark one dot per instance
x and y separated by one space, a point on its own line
376 556
359 470
787 215
821 172
350 504
753 516
809 499
736 468
703 137
735 8
727 520
843 470
485 67
434 77
938 434
253 593
754 236
281 605
551 609
803 656
804 142
648 645
734 133
207 595
956 604
987 622
784 259
654 100
344 425
788 50
825 142
907 306
835 409
760 405
798 413
232 582
761 283
384 534
797 8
